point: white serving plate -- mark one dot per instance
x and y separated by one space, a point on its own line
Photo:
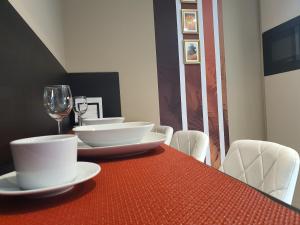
85 171
99 121
150 141
113 134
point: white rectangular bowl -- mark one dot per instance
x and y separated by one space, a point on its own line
100 121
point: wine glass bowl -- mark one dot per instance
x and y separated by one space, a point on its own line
58 102
80 107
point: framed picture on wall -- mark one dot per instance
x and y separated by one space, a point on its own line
191 51
189 20
94 110
189 1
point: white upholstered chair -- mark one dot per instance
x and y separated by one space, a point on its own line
166 130
267 166
192 142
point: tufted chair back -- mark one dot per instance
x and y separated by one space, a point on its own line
166 130
192 142
269 167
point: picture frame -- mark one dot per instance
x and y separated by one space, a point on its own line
95 109
188 1
189 21
191 51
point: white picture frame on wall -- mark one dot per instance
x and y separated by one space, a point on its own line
95 108
189 21
191 50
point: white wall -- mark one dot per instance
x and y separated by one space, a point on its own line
283 108
276 12
243 69
116 36
45 19
282 90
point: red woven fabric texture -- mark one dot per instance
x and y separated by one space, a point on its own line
162 187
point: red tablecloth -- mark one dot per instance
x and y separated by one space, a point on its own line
161 187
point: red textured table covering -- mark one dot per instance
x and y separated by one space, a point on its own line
161 187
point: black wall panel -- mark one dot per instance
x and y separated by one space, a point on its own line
105 85
281 47
26 66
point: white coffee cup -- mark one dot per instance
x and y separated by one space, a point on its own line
45 161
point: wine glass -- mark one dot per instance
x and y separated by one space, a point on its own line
58 102
80 107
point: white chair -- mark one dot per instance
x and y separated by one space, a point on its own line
166 130
192 142
269 167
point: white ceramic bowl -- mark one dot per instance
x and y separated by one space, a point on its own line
113 134
107 120
45 161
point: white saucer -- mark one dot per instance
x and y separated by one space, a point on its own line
85 171
150 141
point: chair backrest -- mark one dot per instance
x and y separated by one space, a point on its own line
166 130
191 142
267 166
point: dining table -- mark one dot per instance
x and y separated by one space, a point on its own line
161 186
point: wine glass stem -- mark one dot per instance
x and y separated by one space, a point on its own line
79 120
59 127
